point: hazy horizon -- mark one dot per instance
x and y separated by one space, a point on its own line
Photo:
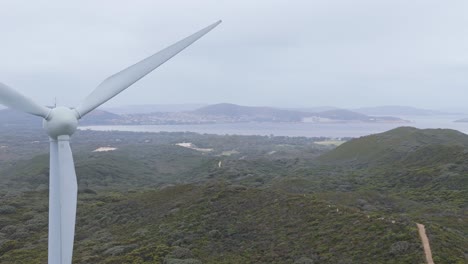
285 107
454 110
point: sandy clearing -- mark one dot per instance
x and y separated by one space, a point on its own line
192 146
104 149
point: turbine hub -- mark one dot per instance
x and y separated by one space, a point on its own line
61 121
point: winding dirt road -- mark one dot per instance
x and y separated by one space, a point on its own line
425 241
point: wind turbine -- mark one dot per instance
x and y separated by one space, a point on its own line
61 122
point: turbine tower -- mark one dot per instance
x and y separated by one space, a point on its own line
60 123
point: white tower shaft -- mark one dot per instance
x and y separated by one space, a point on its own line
62 201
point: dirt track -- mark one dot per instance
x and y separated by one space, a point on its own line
425 241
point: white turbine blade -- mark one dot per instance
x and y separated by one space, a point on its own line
15 100
54 205
122 80
68 198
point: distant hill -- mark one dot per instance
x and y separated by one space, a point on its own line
399 144
259 113
274 114
217 113
398 111
313 109
424 165
463 120
426 168
347 115
101 117
342 114
151 108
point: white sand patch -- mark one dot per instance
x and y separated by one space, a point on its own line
104 149
192 146
185 145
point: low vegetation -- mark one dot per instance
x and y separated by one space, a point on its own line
250 200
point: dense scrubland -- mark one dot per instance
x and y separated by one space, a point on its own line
243 199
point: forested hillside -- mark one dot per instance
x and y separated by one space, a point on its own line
190 198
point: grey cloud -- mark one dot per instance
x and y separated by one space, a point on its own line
287 53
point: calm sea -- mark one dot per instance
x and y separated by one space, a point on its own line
336 130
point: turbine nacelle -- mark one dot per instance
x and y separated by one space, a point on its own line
61 121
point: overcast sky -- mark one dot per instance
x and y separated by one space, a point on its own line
345 53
